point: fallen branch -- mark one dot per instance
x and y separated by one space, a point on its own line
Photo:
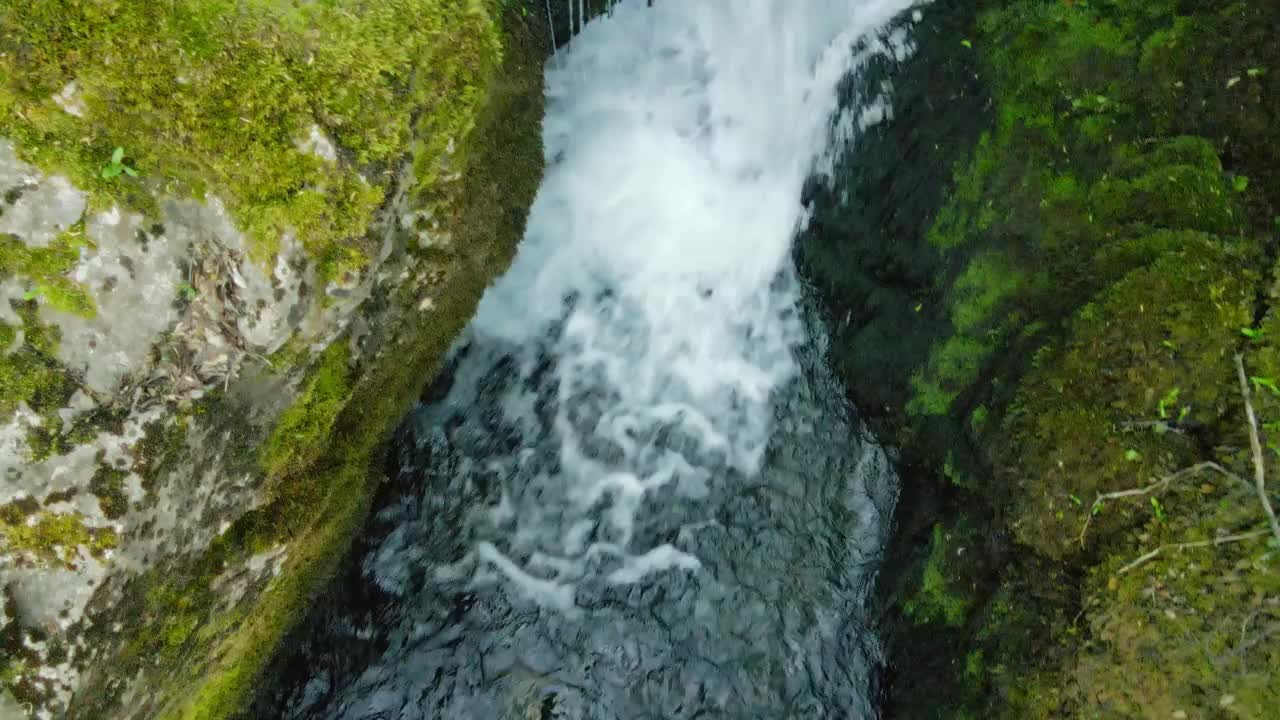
1157 425
1259 474
1156 486
1224 540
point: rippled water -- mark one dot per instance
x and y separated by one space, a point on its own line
638 492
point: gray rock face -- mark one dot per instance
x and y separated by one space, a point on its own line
767 623
179 308
34 207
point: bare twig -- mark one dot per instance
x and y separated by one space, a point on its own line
1224 540
1156 486
1244 629
1259 474
260 358
1157 425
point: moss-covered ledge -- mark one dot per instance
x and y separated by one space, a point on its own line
379 159
1069 312
326 473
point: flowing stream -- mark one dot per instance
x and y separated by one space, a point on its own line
638 491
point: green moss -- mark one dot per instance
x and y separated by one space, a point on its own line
1180 185
215 96
974 666
935 601
979 312
303 429
967 213
46 269
161 446
30 373
978 418
987 281
108 485
51 537
953 367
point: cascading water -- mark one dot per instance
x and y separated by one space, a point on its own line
639 492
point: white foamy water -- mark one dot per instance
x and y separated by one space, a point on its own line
678 139
638 490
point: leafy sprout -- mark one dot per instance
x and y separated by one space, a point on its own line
117 166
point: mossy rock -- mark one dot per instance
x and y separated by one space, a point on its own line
1157 345
316 120
1192 630
221 97
1128 181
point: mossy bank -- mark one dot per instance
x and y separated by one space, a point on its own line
236 239
1094 242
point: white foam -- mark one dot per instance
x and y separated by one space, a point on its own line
543 592
660 558
678 139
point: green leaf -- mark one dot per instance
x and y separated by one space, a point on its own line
1254 72
1076 500
1240 183
1132 455
111 171
31 294
1264 382
129 171
1170 398
1251 333
967 44
117 156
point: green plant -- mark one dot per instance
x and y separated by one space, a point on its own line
117 166
1260 383
1157 509
1251 333
1170 399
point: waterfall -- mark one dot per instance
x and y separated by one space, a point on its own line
641 490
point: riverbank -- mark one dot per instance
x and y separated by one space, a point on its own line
1067 311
